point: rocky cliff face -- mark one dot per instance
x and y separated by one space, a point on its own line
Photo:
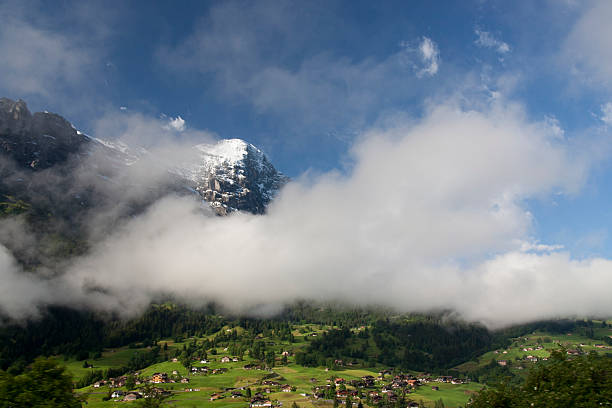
234 175
38 140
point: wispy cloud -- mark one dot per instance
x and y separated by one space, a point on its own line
487 40
177 124
588 46
430 56
54 58
237 45
606 113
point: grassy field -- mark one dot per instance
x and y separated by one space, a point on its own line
302 378
109 359
520 348
298 376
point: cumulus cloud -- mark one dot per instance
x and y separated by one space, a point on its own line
487 40
430 218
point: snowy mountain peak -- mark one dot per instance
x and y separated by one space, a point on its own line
235 175
230 150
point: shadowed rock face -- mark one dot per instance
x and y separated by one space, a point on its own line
38 141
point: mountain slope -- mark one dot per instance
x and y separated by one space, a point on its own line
61 190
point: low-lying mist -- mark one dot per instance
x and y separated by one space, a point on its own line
430 216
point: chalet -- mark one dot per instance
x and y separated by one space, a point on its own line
339 381
159 378
341 394
117 394
285 353
435 388
204 361
117 382
175 360
286 388
174 372
215 396
225 359
261 403
502 362
368 380
237 394
184 380
132 396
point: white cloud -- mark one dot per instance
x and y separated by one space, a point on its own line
554 126
588 47
430 56
38 61
527 246
606 111
53 59
486 40
430 218
177 124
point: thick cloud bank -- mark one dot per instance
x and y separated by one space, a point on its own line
430 217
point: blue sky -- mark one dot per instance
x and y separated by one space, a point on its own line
304 81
